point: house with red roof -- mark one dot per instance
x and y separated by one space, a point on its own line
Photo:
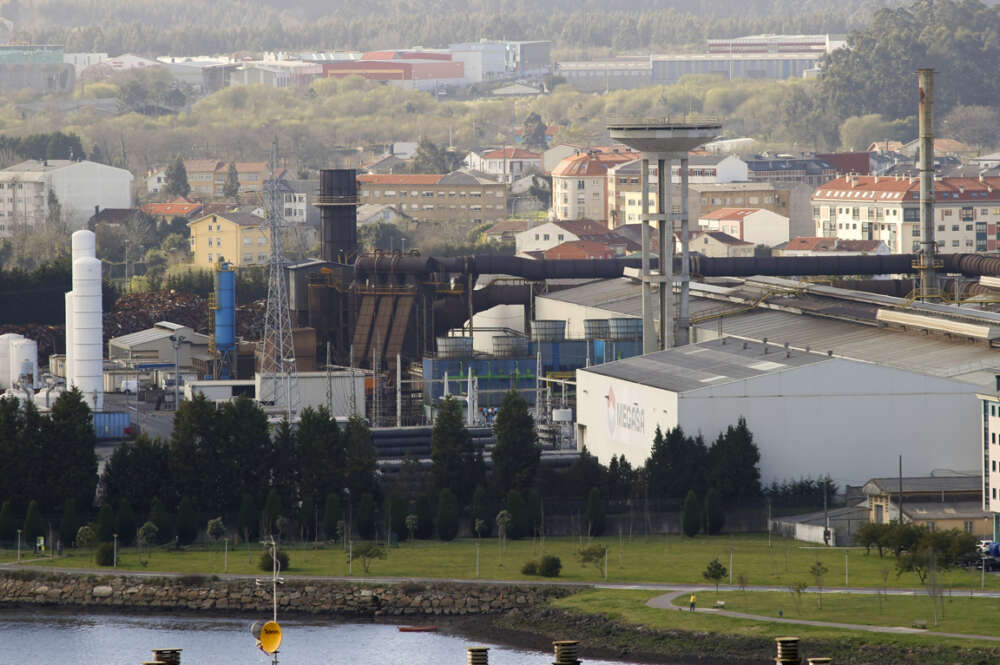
580 184
179 207
815 246
757 225
505 164
714 244
580 249
544 237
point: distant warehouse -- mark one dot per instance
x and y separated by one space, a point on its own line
810 413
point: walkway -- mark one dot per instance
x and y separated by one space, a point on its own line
665 602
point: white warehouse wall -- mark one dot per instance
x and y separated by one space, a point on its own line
842 417
83 185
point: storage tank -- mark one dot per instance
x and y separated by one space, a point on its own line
5 342
84 244
69 338
454 347
23 362
225 318
46 397
595 329
621 330
548 330
88 335
511 346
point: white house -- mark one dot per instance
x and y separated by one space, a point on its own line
757 225
504 164
546 236
79 188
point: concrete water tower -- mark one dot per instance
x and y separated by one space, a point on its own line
662 141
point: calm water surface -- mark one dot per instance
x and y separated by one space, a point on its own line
55 638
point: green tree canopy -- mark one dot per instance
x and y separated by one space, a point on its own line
231 188
176 178
455 463
516 453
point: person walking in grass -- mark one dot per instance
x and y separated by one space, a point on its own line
692 602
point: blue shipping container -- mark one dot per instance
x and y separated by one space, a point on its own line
113 425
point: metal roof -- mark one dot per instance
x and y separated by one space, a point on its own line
821 323
924 484
697 366
948 510
160 331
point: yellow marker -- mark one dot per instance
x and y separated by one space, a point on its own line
270 637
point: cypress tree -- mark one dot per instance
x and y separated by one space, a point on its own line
125 524
8 527
105 524
331 515
69 523
187 523
447 515
272 511
715 514
691 521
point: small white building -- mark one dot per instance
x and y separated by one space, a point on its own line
810 413
757 225
715 244
153 345
79 188
990 447
505 164
546 236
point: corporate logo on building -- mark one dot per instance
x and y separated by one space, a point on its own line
624 416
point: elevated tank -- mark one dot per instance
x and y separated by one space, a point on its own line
621 330
454 347
595 328
23 362
511 346
548 330
88 334
5 342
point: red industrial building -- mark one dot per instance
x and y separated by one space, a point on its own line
424 74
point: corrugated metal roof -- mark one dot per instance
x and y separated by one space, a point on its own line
925 484
697 366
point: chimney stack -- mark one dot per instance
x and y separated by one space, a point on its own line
928 246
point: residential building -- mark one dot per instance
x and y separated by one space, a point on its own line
668 69
813 246
602 75
505 230
756 225
207 177
545 236
79 188
298 197
579 184
808 170
240 238
371 213
793 200
556 153
580 249
937 502
714 244
460 195
943 147
179 207
887 208
504 164
990 426
625 193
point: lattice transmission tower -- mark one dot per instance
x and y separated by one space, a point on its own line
279 383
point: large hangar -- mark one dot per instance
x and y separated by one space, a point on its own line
810 413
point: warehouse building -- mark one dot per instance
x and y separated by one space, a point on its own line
811 413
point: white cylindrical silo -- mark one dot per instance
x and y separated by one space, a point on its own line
69 339
5 341
23 362
88 335
46 397
84 245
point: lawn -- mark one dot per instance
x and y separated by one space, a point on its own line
672 559
630 607
957 613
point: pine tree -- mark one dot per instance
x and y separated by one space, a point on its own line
331 515
105 524
272 511
516 453
691 520
8 527
231 188
520 517
34 523
125 524
69 523
715 514
187 523
596 522
159 516
447 515
248 521
366 516
455 463
177 178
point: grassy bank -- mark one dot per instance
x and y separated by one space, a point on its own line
672 559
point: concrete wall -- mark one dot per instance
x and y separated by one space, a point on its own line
83 185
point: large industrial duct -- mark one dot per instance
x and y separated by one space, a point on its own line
338 201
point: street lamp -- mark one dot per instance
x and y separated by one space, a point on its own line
176 341
350 538
116 550
285 362
19 546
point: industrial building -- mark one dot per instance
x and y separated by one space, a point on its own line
809 411
668 69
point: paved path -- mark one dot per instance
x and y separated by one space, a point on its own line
665 602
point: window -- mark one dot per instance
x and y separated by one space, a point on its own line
262 257
954 227
930 526
248 241
954 243
428 195
968 526
945 212
536 235
941 228
247 258
209 257
546 237
209 242
580 184
968 227
560 236
218 242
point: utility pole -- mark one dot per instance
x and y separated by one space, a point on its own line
176 341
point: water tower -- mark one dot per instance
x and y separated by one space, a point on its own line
662 141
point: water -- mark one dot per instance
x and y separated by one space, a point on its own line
63 638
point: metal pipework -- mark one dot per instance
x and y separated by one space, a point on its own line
928 246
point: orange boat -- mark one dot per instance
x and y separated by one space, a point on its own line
417 629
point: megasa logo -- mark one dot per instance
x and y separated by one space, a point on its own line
622 415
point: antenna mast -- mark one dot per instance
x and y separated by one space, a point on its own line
277 367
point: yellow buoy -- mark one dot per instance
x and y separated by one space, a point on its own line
270 637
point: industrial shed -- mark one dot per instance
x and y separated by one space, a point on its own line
811 413
153 345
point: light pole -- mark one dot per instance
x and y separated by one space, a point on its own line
288 387
350 536
116 550
176 341
19 546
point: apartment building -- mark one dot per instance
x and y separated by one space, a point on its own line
460 195
28 189
504 164
580 184
240 238
207 177
808 170
887 208
756 225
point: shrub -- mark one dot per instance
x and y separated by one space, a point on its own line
550 566
105 555
529 568
266 561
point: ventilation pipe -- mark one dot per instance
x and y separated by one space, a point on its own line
928 246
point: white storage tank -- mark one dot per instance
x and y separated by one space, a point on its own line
88 334
46 397
5 341
23 362
69 339
84 244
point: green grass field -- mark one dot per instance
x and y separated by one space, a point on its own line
957 613
673 559
630 607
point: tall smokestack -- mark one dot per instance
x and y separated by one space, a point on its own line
338 205
928 246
